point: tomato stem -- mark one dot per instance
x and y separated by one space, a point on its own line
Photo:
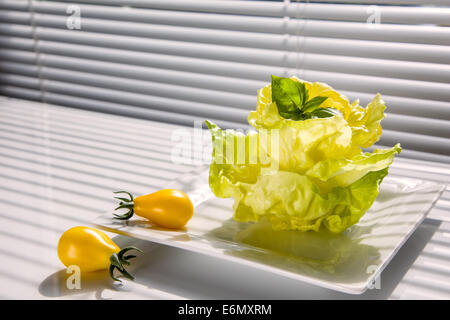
125 204
118 260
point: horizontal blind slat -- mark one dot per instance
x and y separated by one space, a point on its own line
406 58
344 47
113 96
232 69
404 123
408 140
311 61
190 79
24 81
21 5
386 68
21 69
213 97
387 2
202 111
259 8
330 29
312 11
416 141
399 87
392 122
403 87
23 56
17 30
129 110
407 154
17 44
402 105
20 92
358 48
418 107
154 102
107 107
408 106
158 62
398 123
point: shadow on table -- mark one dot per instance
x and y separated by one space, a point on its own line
208 277
55 285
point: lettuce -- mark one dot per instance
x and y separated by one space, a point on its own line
343 172
304 167
292 201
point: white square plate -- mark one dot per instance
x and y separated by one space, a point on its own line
349 262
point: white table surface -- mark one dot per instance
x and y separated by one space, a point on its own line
58 168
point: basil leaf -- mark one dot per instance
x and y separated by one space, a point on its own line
314 103
291 98
304 94
323 113
293 116
289 95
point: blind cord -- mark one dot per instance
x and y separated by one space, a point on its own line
301 22
45 114
36 50
300 56
287 36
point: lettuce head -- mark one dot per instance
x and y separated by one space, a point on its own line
303 168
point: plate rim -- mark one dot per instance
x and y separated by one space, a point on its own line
338 287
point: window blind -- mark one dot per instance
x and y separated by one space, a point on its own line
177 60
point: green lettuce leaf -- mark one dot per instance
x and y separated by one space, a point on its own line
343 172
223 174
292 201
304 143
315 185
366 122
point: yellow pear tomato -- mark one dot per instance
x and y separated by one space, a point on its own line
92 250
169 208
